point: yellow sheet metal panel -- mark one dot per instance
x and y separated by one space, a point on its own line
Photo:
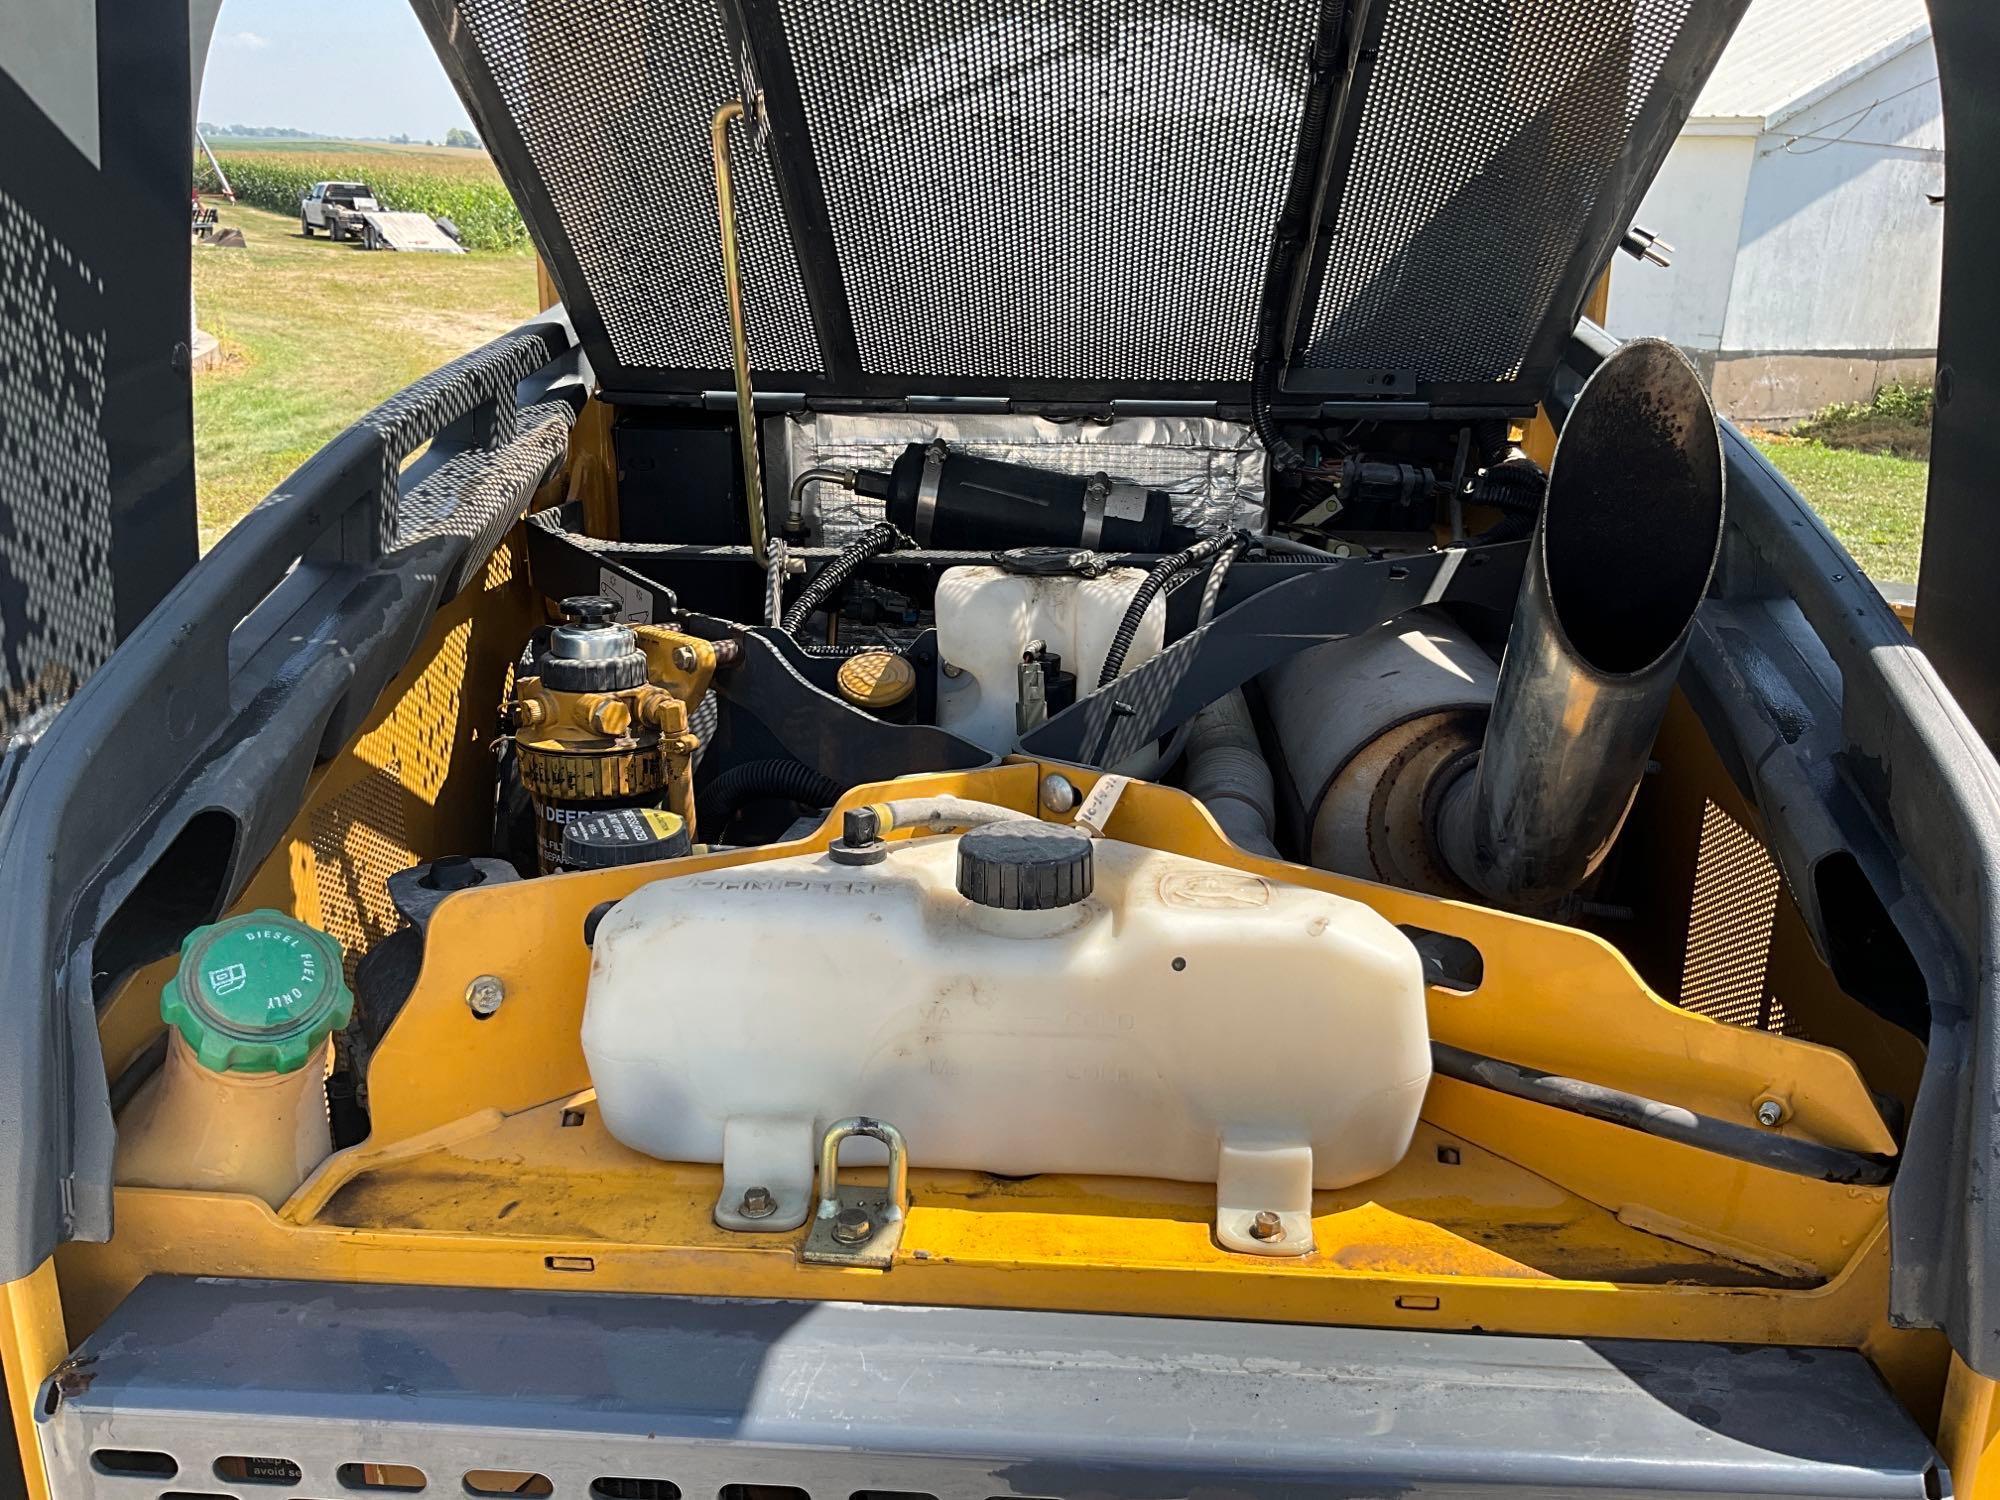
1448 1208
1553 997
1148 1257
1695 867
488 1166
1969 1433
33 1342
416 782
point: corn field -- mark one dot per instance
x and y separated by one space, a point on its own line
464 190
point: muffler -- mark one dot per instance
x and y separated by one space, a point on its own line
1522 813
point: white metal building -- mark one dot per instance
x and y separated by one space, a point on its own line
1801 201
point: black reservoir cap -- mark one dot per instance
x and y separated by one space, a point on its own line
1025 865
592 652
624 836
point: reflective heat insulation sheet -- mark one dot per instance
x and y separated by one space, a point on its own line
1211 469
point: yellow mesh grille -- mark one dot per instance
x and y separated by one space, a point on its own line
358 842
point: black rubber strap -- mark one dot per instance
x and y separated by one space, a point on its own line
1670 1122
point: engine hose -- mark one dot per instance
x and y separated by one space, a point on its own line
937 814
1284 546
1164 572
881 537
1211 592
774 582
758 781
1227 773
1514 487
702 723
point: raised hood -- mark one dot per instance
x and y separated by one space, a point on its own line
1078 199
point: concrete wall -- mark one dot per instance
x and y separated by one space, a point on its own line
1695 205
1777 390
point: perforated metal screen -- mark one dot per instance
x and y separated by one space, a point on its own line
1487 133
1048 197
611 106
1064 190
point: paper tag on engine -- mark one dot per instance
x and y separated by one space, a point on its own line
1095 813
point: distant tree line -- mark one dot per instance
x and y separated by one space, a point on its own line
260 132
452 137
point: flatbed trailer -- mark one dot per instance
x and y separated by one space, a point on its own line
384 230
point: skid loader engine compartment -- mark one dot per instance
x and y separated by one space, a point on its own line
1239 929
927 853
1191 891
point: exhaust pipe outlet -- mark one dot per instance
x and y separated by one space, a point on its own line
1621 558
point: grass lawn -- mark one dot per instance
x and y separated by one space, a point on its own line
1874 502
314 334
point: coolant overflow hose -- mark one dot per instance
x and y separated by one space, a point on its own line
940 813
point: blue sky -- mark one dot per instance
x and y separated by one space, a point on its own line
333 67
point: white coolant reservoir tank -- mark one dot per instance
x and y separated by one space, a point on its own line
987 616
1018 1001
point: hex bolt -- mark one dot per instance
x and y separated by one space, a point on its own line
951 669
757 1203
1267 1226
684 658
1770 1113
852 1225
1058 796
484 995
611 716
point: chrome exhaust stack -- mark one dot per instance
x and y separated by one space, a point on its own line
1621 559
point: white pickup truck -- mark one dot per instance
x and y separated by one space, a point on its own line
337 208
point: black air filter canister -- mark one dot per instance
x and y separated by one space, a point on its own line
952 500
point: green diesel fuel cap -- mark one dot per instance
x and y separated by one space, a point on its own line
256 993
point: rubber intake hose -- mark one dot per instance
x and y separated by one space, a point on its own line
882 537
1227 773
1164 572
759 781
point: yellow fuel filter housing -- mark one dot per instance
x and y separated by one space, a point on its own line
592 732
